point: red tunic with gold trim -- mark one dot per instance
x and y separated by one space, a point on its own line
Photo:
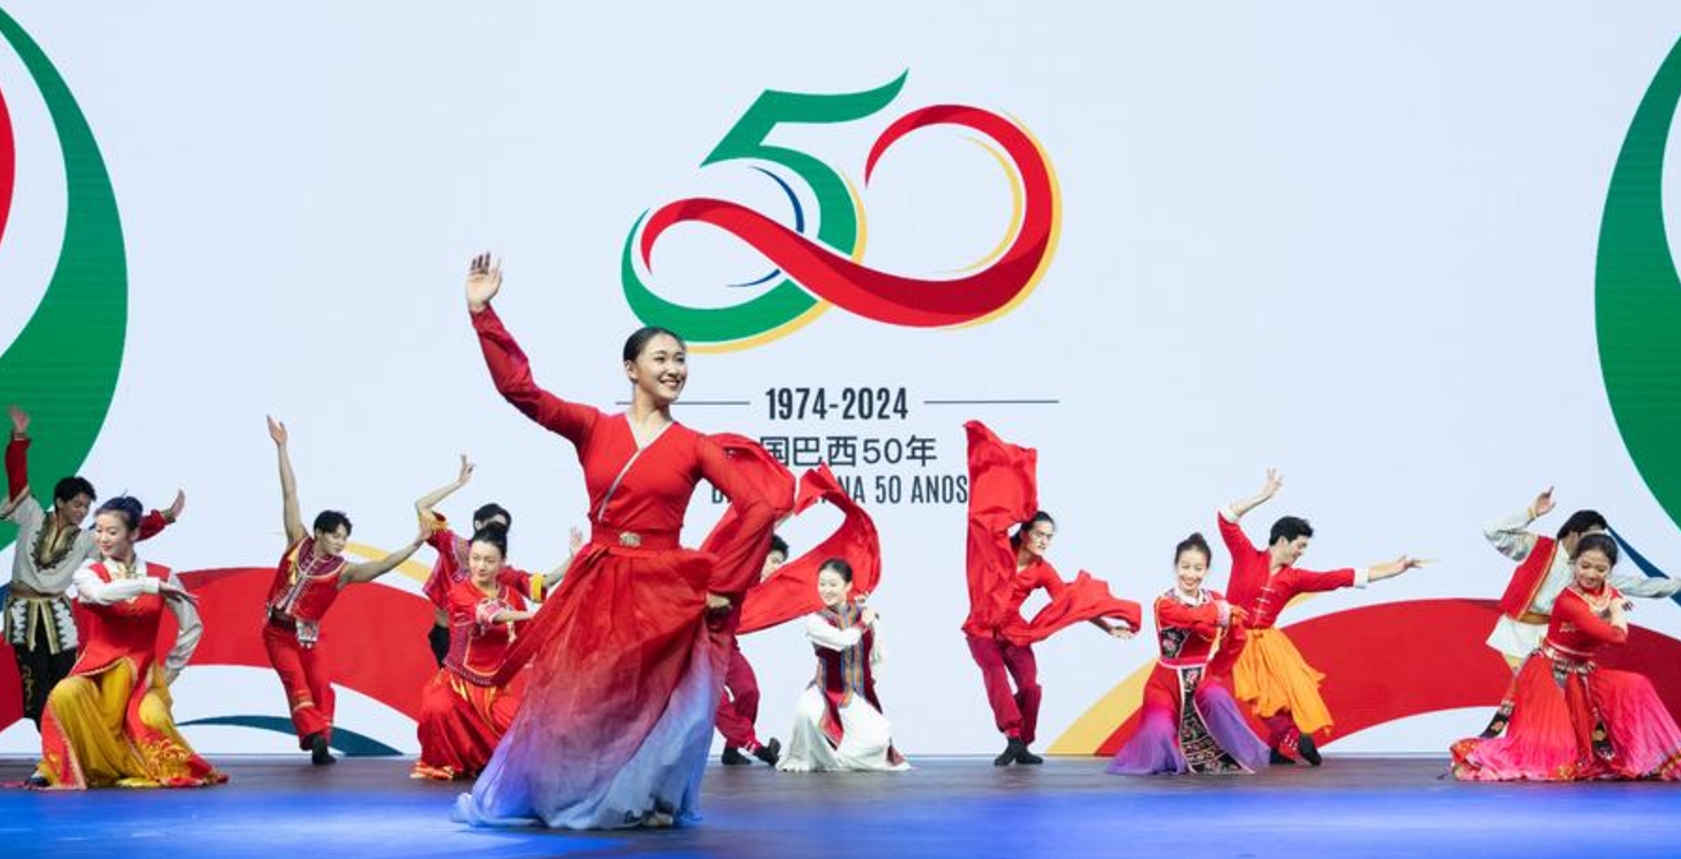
304 588
463 712
145 749
1571 720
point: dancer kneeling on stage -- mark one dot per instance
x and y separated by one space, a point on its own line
1189 721
463 712
1570 719
838 723
108 723
309 578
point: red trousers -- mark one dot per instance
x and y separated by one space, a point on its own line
460 724
738 707
309 693
1017 713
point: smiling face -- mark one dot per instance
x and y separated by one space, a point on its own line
1592 568
72 511
112 535
484 562
833 588
1190 569
661 369
1288 552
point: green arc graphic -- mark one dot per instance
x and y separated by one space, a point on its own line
63 366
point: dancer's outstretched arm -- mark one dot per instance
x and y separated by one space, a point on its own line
367 571
425 503
291 519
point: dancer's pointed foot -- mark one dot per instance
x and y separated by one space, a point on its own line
770 752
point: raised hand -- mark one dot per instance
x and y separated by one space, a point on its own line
466 471
1275 482
1543 504
176 506
484 280
277 431
576 541
20 420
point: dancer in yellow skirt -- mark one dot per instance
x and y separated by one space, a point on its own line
1269 674
109 722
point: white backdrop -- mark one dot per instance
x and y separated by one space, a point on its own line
1353 243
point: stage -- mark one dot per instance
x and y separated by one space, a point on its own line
958 807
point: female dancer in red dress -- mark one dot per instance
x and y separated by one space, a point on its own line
464 712
1572 720
1004 569
617 716
1189 721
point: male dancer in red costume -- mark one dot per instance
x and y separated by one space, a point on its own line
739 707
1270 674
310 575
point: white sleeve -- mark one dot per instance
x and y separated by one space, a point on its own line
23 510
878 655
186 639
1650 587
89 587
1510 536
828 636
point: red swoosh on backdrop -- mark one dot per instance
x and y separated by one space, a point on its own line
886 297
373 641
8 164
1394 660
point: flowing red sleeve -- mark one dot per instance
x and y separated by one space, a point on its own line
17 467
1572 609
1086 598
510 370
1204 619
792 591
755 466
740 558
1003 492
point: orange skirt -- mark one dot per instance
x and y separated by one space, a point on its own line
1271 676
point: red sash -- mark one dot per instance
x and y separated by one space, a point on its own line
1526 582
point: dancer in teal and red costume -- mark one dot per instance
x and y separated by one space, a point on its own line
617 715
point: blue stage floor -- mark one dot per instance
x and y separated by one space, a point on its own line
947 807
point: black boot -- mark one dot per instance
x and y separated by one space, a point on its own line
1012 753
1309 750
1026 757
1278 758
770 752
734 758
320 754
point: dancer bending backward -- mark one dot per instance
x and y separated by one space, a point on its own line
310 576
1004 569
1570 719
618 712
108 723
51 547
1269 674
1189 721
838 724
450 568
463 711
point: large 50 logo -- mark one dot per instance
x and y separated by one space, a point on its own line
63 365
814 272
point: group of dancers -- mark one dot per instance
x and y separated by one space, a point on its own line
586 697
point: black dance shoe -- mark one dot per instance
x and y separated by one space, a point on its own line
1012 753
320 754
1309 750
1280 759
734 758
1026 757
770 752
